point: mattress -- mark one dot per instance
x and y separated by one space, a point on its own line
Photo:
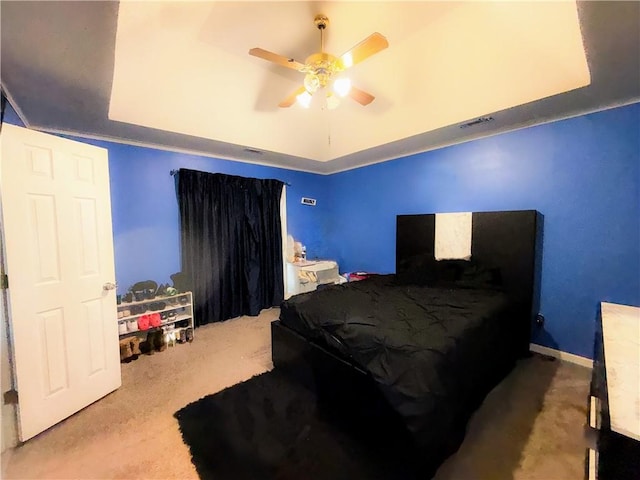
434 352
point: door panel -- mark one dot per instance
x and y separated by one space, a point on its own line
57 230
86 224
94 336
43 220
53 333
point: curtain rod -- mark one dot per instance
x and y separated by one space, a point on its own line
173 172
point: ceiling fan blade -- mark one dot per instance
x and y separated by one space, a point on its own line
291 99
370 45
275 58
360 96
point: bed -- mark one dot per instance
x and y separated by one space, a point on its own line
412 355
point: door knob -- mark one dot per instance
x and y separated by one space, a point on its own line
109 286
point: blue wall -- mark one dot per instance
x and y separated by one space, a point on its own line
145 210
10 116
146 229
582 174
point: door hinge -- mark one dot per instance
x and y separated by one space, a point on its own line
11 397
4 281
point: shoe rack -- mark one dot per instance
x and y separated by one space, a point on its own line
152 324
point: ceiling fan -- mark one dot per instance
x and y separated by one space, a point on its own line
323 69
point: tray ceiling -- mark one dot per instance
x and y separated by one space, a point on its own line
177 75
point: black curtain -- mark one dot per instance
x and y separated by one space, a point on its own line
231 243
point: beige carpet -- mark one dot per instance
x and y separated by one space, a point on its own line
530 426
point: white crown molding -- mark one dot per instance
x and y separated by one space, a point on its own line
15 107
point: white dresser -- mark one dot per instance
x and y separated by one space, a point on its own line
614 403
305 276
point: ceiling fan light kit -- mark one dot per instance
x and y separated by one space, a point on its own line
342 86
304 99
323 69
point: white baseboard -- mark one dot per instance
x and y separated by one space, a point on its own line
568 357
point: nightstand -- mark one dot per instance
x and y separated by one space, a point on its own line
305 276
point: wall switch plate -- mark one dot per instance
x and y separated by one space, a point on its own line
308 201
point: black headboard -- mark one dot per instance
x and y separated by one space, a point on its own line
510 241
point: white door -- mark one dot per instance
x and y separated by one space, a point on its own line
59 257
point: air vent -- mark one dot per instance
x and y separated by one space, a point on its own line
477 121
253 151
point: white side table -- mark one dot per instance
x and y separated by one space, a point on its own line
305 276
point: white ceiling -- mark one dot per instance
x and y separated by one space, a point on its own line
177 75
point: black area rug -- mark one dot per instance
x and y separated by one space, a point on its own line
270 427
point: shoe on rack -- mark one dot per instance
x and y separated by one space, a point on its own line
189 334
148 346
125 351
159 341
135 347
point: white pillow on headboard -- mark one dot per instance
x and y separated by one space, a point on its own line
453 236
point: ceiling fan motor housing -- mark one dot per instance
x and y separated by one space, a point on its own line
321 21
320 68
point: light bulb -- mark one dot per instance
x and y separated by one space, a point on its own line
304 99
311 83
332 101
342 86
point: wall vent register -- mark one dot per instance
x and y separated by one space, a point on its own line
477 121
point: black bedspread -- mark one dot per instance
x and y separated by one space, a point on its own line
434 352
